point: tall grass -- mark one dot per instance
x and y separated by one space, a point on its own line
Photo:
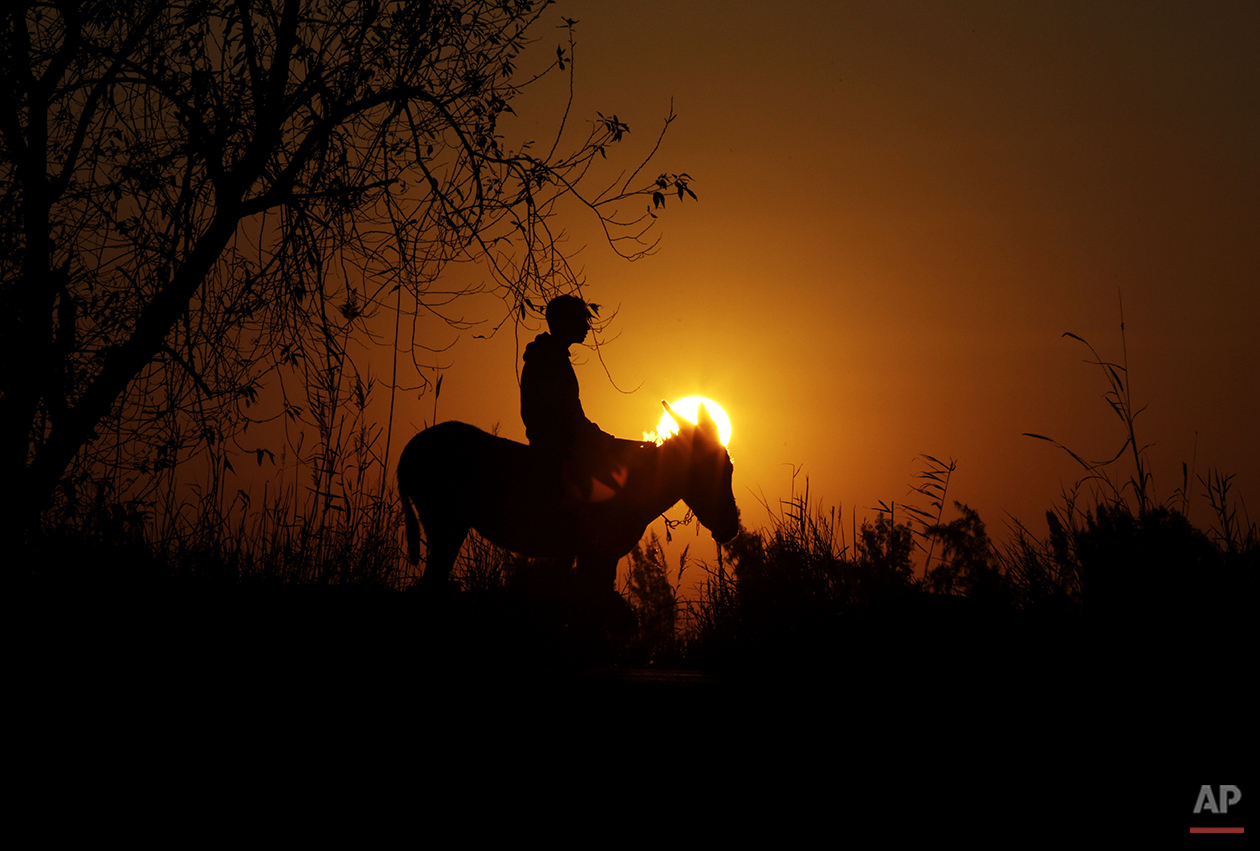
279 543
1113 554
797 585
1119 398
796 591
322 517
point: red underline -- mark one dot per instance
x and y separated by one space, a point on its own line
1216 830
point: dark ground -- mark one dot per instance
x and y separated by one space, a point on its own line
962 723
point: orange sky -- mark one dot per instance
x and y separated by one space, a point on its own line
903 205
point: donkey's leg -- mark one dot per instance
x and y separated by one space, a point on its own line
597 581
444 544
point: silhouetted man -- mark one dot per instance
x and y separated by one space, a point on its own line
554 420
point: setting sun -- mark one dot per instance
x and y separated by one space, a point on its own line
689 408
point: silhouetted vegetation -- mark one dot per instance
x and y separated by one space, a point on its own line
795 593
654 601
1117 562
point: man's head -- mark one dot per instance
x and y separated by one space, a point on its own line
568 318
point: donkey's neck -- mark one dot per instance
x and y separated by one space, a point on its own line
667 477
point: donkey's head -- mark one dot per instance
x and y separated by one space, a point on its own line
707 491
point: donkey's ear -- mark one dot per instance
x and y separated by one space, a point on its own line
706 422
678 421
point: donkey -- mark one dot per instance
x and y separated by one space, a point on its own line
454 477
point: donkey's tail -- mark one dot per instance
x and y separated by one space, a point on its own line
410 524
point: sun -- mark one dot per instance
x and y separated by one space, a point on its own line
689 408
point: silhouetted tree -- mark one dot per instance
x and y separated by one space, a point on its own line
885 549
195 192
651 596
968 564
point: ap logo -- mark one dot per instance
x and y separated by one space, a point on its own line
1217 809
1218 803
